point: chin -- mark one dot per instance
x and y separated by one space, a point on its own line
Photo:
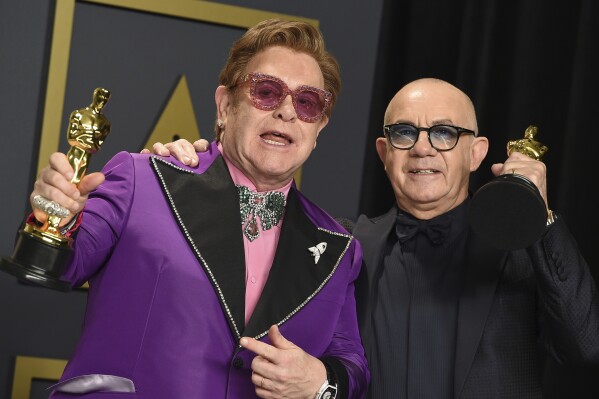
275 171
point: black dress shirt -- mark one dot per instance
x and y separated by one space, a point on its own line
414 317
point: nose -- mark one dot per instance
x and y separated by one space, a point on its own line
286 111
423 147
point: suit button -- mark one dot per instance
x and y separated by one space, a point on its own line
237 363
560 270
554 256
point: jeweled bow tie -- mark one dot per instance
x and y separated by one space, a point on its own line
436 229
268 206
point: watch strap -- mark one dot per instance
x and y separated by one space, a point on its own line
337 373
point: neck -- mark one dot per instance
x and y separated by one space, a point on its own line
255 181
262 183
429 211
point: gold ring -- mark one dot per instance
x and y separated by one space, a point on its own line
513 171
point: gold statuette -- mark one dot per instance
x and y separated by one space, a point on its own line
528 145
41 252
509 211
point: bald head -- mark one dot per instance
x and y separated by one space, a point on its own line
438 97
428 182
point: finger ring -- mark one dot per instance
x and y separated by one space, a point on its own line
513 171
51 208
262 383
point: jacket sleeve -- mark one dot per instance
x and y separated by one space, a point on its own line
568 301
345 354
104 216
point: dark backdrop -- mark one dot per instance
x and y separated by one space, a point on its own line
525 62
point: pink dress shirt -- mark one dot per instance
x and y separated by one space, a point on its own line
259 253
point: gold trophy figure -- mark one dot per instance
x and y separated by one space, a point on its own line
528 145
41 252
509 211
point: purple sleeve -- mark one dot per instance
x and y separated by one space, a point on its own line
104 216
345 354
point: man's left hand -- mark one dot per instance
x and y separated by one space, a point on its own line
284 370
520 164
182 150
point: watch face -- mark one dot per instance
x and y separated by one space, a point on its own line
329 393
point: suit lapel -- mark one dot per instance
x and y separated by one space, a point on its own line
206 207
483 268
373 234
295 278
377 233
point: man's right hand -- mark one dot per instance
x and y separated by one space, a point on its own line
182 150
54 184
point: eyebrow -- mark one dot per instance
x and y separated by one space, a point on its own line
442 122
433 123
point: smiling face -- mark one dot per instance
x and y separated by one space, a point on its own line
269 146
427 182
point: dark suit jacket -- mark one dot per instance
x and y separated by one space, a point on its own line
514 307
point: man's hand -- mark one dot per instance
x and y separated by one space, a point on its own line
520 164
54 184
182 150
284 370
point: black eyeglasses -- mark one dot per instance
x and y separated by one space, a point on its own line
403 136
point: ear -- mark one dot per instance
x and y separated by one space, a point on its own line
222 97
478 152
322 123
381 148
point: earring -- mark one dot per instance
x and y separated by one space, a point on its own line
219 123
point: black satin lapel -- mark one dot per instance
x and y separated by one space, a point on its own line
484 266
207 209
373 235
377 235
294 277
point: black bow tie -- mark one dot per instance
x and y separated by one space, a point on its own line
436 229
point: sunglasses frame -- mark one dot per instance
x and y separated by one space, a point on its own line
460 131
255 77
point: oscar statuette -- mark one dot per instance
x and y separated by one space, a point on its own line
41 252
509 211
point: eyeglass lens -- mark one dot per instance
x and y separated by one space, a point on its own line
268 94
441 137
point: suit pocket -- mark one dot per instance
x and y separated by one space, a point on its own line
95 383
94 395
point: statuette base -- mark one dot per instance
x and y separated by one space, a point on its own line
508 212
38 260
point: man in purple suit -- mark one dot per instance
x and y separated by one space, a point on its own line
221 280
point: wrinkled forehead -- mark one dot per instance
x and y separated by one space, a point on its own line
430 104
295 68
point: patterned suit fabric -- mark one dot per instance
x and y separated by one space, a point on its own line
514 308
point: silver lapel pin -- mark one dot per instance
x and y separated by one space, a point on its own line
318 250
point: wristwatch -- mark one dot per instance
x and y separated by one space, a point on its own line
328 390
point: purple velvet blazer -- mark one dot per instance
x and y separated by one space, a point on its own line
161 246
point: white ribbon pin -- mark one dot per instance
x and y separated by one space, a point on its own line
318 250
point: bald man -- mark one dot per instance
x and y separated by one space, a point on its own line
442 314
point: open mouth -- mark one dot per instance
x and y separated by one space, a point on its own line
424 171
276 138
